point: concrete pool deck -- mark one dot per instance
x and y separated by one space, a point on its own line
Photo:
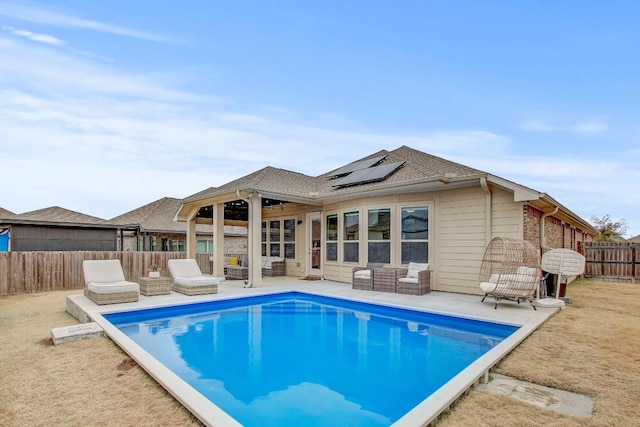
468 306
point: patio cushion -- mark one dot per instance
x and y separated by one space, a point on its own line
415 267
408 280
362 274
196 281
103 271
267 260
113 287
184 268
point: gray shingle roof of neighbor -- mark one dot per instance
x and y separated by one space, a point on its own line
157 216
58 215
4 213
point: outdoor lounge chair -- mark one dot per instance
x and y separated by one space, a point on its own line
519 286
105 282
189 280
510 270
362 277
415 280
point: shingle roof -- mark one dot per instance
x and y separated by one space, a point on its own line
417 166
157 216
5 213
58 214
268 179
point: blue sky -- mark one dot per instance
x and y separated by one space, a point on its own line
106 106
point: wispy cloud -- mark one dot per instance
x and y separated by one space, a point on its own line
39 15
97 128
40 38
591 126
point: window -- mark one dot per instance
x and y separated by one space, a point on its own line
274 238
278 238
204 247
415 234
289 237
351 236
177 245
379 235
264 238
332 237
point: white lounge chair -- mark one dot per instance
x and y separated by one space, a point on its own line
105 282
189 280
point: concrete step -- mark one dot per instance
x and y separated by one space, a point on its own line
76 332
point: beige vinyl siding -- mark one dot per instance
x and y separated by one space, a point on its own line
460 239
342 272
458 232
506 215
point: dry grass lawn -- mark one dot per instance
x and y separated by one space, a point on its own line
591 347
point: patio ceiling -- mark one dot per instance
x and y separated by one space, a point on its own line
237 210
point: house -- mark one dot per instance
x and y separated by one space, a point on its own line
151 228
57 229
4 231
392 207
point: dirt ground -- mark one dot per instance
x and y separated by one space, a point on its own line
591 347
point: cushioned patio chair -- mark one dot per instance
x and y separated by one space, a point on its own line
105 282
189 280
273 266
415 279
362 277
510 270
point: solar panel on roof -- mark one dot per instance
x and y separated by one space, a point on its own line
362 176
351 167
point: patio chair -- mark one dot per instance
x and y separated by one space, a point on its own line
362 277
414 280
189 280
510 270
518 286
105 282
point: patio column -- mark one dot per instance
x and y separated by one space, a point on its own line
218 239
254 233
191 237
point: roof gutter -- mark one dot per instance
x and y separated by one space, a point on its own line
487 210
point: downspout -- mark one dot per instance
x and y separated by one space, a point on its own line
543 239
487 210
248 284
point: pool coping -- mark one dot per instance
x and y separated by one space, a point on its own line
424 413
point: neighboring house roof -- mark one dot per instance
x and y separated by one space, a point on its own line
5 213
157 217
634 239
418 172
56 215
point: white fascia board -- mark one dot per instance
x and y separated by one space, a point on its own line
520 193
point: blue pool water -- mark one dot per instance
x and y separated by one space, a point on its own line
294 359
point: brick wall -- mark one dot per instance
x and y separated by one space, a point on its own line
558 234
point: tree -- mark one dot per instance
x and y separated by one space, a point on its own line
609 230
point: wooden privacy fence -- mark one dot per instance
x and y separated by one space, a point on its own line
28 272
617 261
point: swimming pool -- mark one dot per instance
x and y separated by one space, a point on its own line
299 359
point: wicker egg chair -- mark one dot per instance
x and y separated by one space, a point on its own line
510 270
